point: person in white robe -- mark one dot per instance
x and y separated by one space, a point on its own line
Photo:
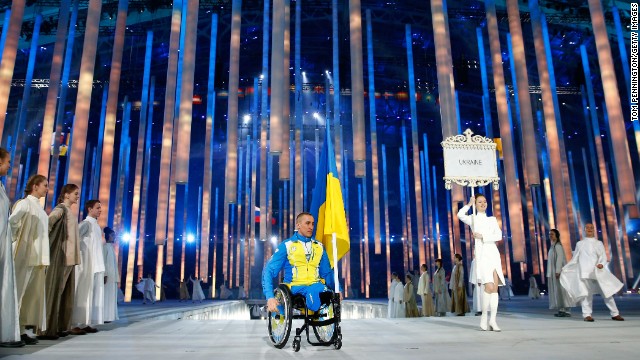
89 305
424 290
587 274
556 259
30 235
476 289
9 315
391 311
486 233
149 290
112 275
198 294
398 299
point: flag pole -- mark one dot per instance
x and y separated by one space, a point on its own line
473 215
335 262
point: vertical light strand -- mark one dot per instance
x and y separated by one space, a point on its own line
7 19
186 93
264 119
118 220
624 175
196 273
298 200
8 60
95 187
374 137
243 154
513 192
365 221
437 212
622 218
524 98
24 104
146 177
251 225
137 182
357 86
561 216
386 215
85 87
167 131
429 203
335 75
403 212
592 204
171 211
276 122
415 144
209 144
231 170
183 238
106 172
363 259
214 264
284 170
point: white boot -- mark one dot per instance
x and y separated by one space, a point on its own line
494 311
485 308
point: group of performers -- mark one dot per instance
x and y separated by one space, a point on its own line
569 283
57 276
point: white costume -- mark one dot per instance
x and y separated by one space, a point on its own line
149 290
89 304
582 279
398 296
9 319
30 235
487 259
391 307
111 287
477 290
198 294
487 254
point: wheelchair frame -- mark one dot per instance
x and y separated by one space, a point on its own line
298 302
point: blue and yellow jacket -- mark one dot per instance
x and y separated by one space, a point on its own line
291 255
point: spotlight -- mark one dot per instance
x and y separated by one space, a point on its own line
274 239
191 238
246 118
316 116
126 237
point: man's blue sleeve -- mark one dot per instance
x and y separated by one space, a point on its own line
326 272
271 270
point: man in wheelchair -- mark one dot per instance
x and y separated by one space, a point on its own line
307 272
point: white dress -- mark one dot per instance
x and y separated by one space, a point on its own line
198 294
9 330
398 297
111 287
391 307
487 254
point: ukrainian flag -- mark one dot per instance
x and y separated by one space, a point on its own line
327 205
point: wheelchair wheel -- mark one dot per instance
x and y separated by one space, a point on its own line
280 323
325 333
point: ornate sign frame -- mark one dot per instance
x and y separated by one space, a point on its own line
477 143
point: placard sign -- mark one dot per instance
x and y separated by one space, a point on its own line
470 160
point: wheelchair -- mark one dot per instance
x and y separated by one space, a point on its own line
325 322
